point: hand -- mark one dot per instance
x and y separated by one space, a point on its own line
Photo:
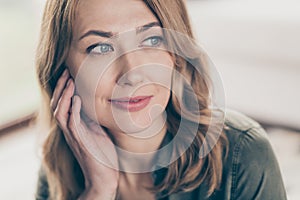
101 181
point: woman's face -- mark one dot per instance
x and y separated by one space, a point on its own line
121 72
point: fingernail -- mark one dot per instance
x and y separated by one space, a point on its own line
74 99
65 72
69 82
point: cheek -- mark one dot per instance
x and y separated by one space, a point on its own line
163 97
74 61
94 92
163 58
103 88
166 61
160 72
169 60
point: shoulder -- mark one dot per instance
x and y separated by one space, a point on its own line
251 166
248 141
245 133
239 121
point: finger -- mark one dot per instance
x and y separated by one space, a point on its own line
86 118
82 137
61 112
73 125
77 128
93 125
76 125
74 122
61 84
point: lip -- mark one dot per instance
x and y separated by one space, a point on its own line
131 104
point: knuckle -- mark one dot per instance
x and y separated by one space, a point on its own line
52 104
74 127
58 116
72 124
56 113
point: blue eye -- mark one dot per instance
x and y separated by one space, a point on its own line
154 41
100 49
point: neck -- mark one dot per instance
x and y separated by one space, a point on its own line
138 181
135 186
144 141
140 146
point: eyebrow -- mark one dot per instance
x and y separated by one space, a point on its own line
147 26
111 34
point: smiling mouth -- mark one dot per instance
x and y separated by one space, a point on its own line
131 104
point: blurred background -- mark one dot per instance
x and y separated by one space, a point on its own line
255 46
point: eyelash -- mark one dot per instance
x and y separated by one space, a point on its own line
160 41
91 48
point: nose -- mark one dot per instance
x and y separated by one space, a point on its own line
130 73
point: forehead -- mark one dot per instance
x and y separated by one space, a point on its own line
111 15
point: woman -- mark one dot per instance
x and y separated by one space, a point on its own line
107 98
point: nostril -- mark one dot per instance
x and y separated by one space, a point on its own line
132 77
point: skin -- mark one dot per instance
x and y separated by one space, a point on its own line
128 75
127 81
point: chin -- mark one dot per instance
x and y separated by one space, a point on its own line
135 122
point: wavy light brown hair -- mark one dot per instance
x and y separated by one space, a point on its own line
65 178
